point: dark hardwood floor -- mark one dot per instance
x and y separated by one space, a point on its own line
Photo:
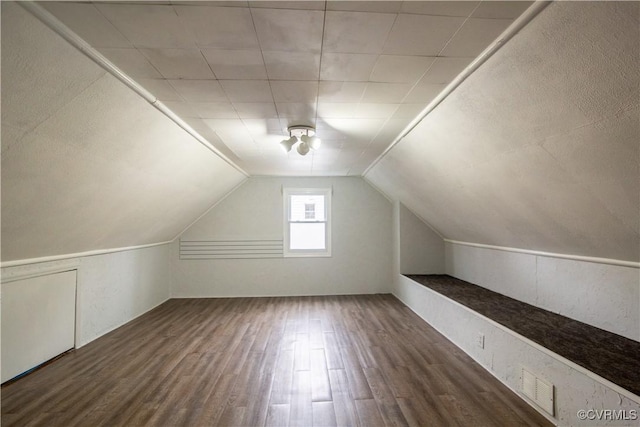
299 361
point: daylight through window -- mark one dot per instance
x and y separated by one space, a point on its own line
307 226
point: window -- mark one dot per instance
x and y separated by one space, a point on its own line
307 222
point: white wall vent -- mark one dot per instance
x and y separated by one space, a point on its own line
539 391
230 249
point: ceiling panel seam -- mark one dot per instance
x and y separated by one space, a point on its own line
72 38
510 32
53 113
216 203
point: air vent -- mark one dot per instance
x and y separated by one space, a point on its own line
539 391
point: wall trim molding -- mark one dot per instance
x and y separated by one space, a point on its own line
618 262
55 269
18 262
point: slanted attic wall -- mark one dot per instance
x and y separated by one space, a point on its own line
539 151
88 166
86 163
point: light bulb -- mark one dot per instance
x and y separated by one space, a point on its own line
315 142
287 144
303 148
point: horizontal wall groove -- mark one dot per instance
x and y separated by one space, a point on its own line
231 249
609 261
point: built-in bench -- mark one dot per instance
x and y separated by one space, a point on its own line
610 356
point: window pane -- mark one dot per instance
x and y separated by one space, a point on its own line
307 208
307 236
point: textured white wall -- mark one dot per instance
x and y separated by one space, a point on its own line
602 295
421 249
113 288
538 148
86 163
361 244
504 355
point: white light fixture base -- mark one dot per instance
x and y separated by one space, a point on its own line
302 135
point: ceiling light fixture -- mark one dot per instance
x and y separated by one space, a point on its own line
305 135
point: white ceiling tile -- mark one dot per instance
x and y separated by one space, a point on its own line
424 93
218 143
86 21
333 145
132 62
441 8
365 6
161 89
341 91
182 109
233 133
179 63
256 110
292 65
225 125
388 133
408 111
148 25
501 9
475 36
356 32
304 113
240 145
294 91
214 110
289 30
247 90
268 142
400 69
258 127
222 27
199 90
347 66
385 92
374 111
421 34
331 110
306 4
228 64
225 87
445 69
356 129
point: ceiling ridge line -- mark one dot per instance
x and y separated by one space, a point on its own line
268 79
415 84
515 27
315 120
76 41
438 55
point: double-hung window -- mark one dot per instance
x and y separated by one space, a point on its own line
307 222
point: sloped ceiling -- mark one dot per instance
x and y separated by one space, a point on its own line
540 147
241 72
86 163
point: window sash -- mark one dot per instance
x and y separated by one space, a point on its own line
321 199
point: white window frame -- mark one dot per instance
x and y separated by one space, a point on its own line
287 193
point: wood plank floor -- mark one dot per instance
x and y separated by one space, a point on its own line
298 361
